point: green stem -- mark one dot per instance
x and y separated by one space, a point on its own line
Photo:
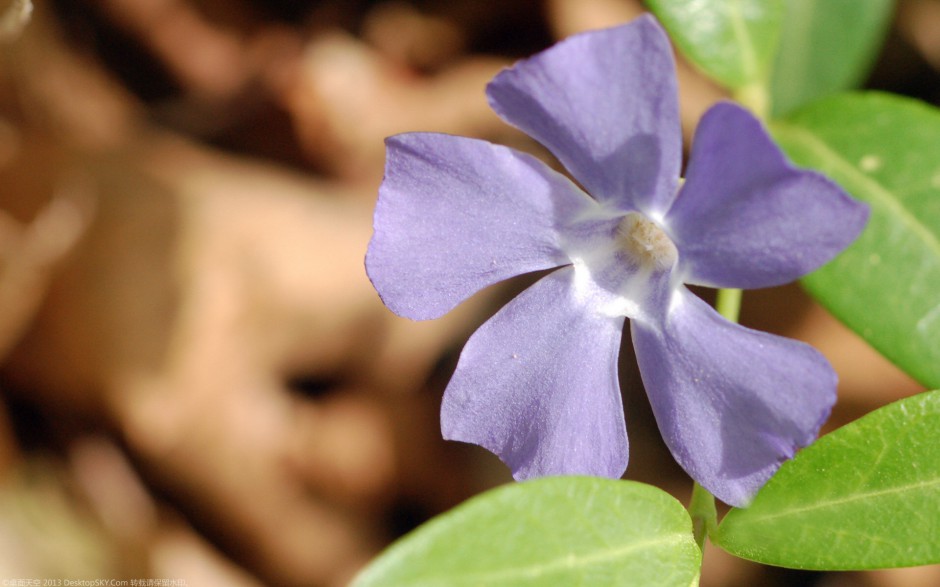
756 98
728 303
702 505
703 512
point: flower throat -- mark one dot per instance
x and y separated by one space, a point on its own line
646 242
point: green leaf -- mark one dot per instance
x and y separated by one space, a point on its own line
884 150
825 47
866 496
732 41
556 531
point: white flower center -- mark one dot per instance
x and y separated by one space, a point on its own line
646 242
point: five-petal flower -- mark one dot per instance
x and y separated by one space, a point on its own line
537 384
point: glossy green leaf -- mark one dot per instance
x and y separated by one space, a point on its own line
554 532
884 150
732 41
826 46
866 496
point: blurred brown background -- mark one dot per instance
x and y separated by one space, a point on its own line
197 381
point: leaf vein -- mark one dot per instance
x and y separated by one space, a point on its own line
849 499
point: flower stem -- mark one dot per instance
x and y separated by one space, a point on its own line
702 505
756 98
728 303
703 512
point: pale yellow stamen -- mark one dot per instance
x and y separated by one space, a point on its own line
646 242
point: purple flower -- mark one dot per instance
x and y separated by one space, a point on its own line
537 384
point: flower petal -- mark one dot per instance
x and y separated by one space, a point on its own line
455 215
746 218
537 385
731 403
605 103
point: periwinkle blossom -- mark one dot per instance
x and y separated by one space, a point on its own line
537 384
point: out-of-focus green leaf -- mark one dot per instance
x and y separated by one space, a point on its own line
553 532
884 150
866 496
826 46
732 41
